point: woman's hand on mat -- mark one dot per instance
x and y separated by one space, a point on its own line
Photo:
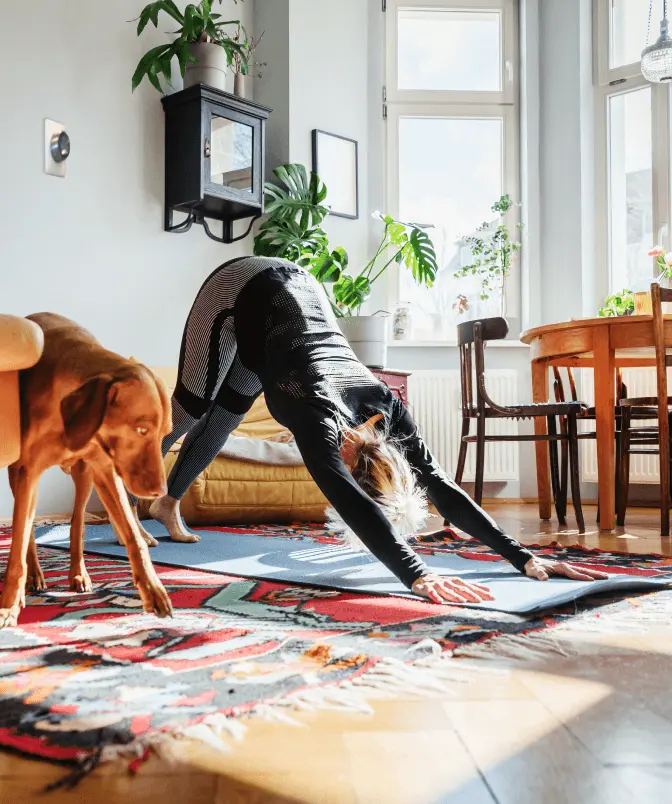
541 570
440 589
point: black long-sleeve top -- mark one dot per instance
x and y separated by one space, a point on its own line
312 380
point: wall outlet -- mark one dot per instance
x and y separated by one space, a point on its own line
51 166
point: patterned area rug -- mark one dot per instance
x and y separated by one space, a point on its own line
87 678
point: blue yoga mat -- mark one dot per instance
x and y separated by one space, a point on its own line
301 560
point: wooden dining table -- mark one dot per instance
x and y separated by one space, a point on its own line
602 344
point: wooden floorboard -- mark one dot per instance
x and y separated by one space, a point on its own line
583 729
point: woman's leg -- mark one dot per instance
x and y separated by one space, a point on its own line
204 442
450 500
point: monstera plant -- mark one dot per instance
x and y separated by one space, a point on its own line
296 209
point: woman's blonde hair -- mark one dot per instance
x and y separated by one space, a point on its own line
379 467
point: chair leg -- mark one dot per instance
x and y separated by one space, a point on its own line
575 481
462 456
623 473
555 477
480 459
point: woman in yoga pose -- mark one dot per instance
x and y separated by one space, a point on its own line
266 325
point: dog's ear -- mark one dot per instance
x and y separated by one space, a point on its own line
83 411
166 405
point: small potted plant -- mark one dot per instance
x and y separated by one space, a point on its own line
204 50
244 69
292 230
492 253
618 304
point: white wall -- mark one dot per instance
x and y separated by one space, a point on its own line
92 246
323 46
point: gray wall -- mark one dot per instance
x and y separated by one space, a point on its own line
91 246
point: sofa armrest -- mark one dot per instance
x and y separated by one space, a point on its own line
21 343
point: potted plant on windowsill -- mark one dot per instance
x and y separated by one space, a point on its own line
204 50
493 253
292 230
618 304
663 262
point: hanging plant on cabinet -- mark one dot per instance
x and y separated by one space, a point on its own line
492 253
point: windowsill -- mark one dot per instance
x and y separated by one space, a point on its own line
504 344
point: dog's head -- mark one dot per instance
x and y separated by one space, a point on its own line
128 415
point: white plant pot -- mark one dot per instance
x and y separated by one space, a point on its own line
211 67
367 335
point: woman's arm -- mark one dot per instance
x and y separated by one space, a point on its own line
450 500
318 444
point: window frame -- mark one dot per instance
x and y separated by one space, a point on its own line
504 105
608 84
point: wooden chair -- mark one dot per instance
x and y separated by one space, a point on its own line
649 439
472 337
587 415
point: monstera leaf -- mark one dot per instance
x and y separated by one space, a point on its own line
287 240
351 292
328 266
302 199
420 257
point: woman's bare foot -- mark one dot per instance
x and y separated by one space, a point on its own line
166 510
149 539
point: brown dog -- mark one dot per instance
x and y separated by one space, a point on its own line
102 418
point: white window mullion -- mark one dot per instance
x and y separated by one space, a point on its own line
660 135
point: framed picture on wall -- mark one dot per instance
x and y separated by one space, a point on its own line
335 160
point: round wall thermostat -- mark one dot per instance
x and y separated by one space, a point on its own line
60 147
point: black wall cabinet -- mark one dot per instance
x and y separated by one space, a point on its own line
215 148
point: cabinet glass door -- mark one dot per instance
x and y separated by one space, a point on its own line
231 151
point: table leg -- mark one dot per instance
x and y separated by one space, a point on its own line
540 394
605 426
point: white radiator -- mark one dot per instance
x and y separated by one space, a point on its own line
639 382
434 398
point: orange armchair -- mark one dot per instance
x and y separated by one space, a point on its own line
21 345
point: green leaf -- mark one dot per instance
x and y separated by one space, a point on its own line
151 57
352 292
420 257
172 10
145 15
190 14
303 197
152 74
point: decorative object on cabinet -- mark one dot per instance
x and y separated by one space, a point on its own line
336 161
244 69
203 48
215 145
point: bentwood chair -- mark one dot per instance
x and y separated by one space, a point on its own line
472 337
587 415
649 439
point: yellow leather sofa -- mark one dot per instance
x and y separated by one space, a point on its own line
237 492
21 345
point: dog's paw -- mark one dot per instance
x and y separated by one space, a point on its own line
80 582
9 617
35 582
154 597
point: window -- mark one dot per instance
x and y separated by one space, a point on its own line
633 146
452 141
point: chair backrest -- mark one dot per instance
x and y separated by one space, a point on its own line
658 296
471 336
